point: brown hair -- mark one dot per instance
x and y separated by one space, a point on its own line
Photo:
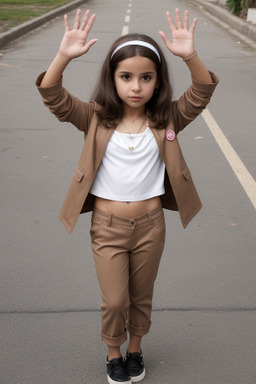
159 107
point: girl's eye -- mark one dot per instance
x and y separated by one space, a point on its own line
126 77
146 78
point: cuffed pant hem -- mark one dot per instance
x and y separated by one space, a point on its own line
138 331
114 341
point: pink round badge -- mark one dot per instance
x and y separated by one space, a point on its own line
170 135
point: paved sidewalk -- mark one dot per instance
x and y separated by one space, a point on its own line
245 30
216 10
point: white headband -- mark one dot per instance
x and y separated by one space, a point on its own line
137 42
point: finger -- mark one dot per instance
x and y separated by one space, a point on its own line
170 22
90 23
165 39
185 20
89 45
178 19
193 25
67 26
77 19
85 19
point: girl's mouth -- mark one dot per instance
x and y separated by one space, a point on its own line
135 98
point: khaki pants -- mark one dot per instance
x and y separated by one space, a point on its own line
127 254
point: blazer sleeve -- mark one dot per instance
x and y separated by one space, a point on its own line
65 106
192 102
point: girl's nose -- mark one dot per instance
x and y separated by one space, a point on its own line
136 86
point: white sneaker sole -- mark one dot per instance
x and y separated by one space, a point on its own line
139 378
110 381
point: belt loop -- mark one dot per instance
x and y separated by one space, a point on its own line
109 220
150 219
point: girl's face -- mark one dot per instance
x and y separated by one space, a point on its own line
135 81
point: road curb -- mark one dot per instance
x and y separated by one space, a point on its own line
245 29
22 29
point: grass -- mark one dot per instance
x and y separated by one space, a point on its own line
14 12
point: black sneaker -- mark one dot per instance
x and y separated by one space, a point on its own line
116 372
135 366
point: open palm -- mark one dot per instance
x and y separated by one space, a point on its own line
74 42
182 43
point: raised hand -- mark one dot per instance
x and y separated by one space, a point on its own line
182 43
74 43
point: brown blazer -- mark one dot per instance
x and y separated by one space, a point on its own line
180 192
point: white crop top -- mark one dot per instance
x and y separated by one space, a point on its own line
130 175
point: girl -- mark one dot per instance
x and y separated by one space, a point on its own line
131 167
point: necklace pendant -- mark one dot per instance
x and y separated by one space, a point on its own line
131 148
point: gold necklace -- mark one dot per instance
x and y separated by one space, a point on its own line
131 137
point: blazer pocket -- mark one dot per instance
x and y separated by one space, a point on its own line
79 175
186 174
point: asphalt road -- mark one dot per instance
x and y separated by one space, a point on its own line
204 318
